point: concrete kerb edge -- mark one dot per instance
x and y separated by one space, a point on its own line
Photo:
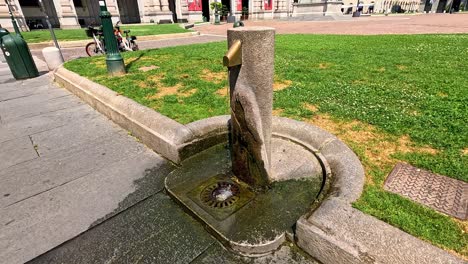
158 132
82 43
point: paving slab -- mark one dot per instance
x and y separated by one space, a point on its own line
154 231
76 133
5 75
28 179
43 122
33 226
10 92
85 170
36 105
16 151
5 72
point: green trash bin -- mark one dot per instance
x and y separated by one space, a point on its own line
17 55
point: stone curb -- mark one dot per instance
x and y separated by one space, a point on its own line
338 233
82 43
158 132
334 233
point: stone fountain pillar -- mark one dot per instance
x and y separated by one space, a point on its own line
250 61
251 195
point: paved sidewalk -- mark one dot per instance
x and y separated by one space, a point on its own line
65 169
374 25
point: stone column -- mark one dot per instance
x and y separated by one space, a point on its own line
147 11
178 5
251 93
66 14
155 10
435 4
142 9
5 20
165 5
233 7
113 9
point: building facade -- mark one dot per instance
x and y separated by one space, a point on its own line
81 13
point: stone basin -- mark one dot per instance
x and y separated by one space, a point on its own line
257 223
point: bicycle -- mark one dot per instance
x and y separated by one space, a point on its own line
125 44
97 47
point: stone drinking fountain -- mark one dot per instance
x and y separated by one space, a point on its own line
253 176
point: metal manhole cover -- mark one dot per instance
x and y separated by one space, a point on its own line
220 194
444 194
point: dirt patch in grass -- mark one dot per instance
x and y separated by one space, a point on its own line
441 94
215 77
277 112
142 84
281 85
277 85
99 63
310 107
402 67
325 65
464 226
223 92
171 90
379 148
360 81
148 68
465 151
152 82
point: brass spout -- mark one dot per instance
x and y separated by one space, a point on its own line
233 56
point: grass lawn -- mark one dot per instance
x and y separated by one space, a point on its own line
390 98
79 34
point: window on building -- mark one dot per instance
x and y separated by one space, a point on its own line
78 3
29 2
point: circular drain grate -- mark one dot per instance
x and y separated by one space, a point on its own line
220 195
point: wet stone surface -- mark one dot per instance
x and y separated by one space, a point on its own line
262 218
286 254
155 230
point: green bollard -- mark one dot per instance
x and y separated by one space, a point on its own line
17 55
114 61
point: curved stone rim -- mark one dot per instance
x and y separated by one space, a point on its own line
345 167
266 245
339 162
